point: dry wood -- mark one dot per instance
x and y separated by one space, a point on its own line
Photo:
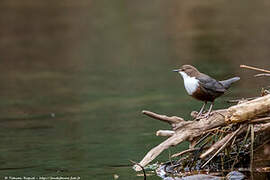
252 147
171 120
254 68
186 130
184 152
262 127
221 144
227 138
248 110
164 133
260 120
263 74
192 130
241 100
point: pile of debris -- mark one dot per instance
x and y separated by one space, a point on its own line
225 141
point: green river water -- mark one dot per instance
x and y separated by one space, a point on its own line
75 76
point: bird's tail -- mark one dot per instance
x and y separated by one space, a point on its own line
227 83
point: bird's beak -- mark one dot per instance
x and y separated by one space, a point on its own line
177 70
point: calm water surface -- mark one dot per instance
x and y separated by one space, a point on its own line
76 75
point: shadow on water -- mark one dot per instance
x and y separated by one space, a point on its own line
75 76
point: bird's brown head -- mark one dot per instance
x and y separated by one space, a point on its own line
189 70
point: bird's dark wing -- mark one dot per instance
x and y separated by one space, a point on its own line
210 84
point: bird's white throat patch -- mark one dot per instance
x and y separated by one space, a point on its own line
191 83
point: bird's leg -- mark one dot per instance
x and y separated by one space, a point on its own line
209 111
202 108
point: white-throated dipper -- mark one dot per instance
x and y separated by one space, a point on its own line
203 87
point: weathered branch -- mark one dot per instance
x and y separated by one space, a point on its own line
186 130
241 100
165 133
248 110
254 68
171 120
260 120
221 143
262 127
190 130
184 152
263 74
224 143
228 137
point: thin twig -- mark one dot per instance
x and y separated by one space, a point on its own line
266 142
184 152
144 174
243 99
251 148
211 130
254 68
260 120
243 143
263 74
202 139
234 139
170 157
170 120
223 146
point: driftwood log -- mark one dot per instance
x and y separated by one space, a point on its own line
248 110
190 130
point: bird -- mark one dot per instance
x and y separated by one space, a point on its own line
203 87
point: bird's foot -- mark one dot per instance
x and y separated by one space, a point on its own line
204 116
196 116
200 117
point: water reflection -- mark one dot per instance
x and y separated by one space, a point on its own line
75 76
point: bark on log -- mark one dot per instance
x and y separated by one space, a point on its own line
248 110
